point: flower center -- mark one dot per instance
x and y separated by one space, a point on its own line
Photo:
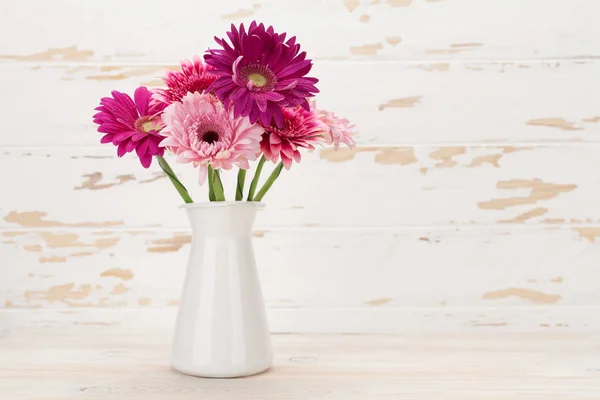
208 137
146 124
258 77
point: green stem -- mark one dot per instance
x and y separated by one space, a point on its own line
254 182
211 190
218 186
239 191
274 175
164 165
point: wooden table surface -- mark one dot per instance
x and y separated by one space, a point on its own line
110 362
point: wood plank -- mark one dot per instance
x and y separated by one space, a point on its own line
110 362
334 320
391 103
369 269
143 30
370 187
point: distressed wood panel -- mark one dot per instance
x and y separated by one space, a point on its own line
392 103
368 187
424 267
114 363
152 31
345 320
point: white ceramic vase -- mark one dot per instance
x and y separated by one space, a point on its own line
221 329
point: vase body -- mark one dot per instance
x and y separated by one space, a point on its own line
221 329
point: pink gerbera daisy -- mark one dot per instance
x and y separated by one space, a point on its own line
340 129
259 73
201 131
301 129
131 125
194 77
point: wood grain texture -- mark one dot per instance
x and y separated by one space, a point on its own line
149 31
396 103
414 186
381 269
108 362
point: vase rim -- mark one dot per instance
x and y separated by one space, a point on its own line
209 204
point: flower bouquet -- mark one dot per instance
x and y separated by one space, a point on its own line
249 99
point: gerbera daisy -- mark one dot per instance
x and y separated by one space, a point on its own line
131 125
340 129
194 77
260 73
301 129
201 131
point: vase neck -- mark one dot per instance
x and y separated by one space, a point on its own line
222 219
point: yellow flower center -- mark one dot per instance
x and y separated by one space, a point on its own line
146 124
257 79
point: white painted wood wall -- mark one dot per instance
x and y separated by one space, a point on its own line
471 203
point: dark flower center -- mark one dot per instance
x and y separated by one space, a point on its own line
208 137
258 77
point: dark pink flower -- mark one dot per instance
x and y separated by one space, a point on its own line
300 129
131 125
259 73
194 77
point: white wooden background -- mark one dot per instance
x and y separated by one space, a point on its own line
471 203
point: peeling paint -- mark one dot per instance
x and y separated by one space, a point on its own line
364 18
158 175
553 221
378 302
144 301
125 274
366 49
445 156
383 155
399 3
393 40
539 191
589 233
351 5
34 219
455 48
526 294
120 289
173 303
558 279
258 234
593 120
63 293
132 72
465 45
423 170
559 123
405 102
536 212
52 259
67 240
93 179
491 159
241 13
81 254
435 67
70 53
169 245
490 324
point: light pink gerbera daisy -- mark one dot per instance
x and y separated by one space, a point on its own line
131 124
194 77
300 129
199 130
340 129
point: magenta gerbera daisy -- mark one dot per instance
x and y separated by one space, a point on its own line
301 129
260 72
199 130
131 125
195 76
